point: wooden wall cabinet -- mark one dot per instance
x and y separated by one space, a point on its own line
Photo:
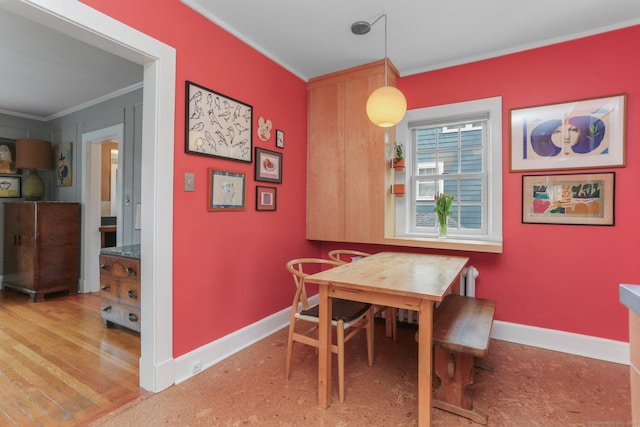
346 164
41 247
120 291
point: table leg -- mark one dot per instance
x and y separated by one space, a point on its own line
324 350
425 333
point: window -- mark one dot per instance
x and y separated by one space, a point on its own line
455 149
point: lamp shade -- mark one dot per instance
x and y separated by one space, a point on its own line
386 106
33 154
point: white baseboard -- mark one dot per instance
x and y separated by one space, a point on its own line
214 352
565 342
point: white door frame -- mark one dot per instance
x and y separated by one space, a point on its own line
91 202
75 19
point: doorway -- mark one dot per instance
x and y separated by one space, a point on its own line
82 22
92 200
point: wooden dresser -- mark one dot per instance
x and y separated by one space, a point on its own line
634 345
41 247
120 286
630 296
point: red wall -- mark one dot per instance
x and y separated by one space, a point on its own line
554 276
229 266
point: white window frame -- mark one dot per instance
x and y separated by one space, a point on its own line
493 162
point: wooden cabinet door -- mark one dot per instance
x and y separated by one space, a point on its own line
58 244
364 166
325 163
19 242
10 249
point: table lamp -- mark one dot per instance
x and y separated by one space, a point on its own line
33 154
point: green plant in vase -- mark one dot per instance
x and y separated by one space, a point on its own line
443 210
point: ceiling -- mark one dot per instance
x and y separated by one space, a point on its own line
46 74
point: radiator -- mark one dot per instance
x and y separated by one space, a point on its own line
467 287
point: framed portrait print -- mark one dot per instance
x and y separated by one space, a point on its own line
10 186
279 138
266 198
226 190
588 133
268 166
586 199
217 125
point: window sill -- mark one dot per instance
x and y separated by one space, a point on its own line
448 244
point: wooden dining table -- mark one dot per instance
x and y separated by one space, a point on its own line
404 280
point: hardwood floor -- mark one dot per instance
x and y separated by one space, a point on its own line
59 365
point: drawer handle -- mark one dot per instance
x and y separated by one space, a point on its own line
133 317
131 271
107 308
132 295
106 287
105 266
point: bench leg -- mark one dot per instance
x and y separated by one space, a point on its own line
455 371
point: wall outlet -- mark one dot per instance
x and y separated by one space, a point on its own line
196 367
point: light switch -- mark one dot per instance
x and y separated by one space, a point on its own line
189 181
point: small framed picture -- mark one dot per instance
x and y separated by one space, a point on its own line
63 155
266 198
279 138
226 190
8 156
582 199
268 166
588 133
217 125
10 187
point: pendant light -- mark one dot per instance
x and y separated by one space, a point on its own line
386 105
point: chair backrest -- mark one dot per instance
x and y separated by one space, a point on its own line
346 255
300 268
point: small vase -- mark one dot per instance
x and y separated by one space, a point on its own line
442 227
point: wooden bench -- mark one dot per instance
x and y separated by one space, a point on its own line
461 332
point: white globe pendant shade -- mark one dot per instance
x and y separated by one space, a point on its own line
386 106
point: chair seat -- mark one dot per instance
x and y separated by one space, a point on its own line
341 309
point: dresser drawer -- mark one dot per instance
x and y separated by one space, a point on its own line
122 314
119 268
129 292
109 287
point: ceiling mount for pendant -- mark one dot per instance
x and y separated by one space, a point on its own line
386 105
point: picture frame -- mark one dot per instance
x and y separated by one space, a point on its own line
63 156
10 186
268 167
217 125
227 190
575 199
588 133
266 198
279 138
8 157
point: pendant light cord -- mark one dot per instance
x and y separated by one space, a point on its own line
384 15
386 67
